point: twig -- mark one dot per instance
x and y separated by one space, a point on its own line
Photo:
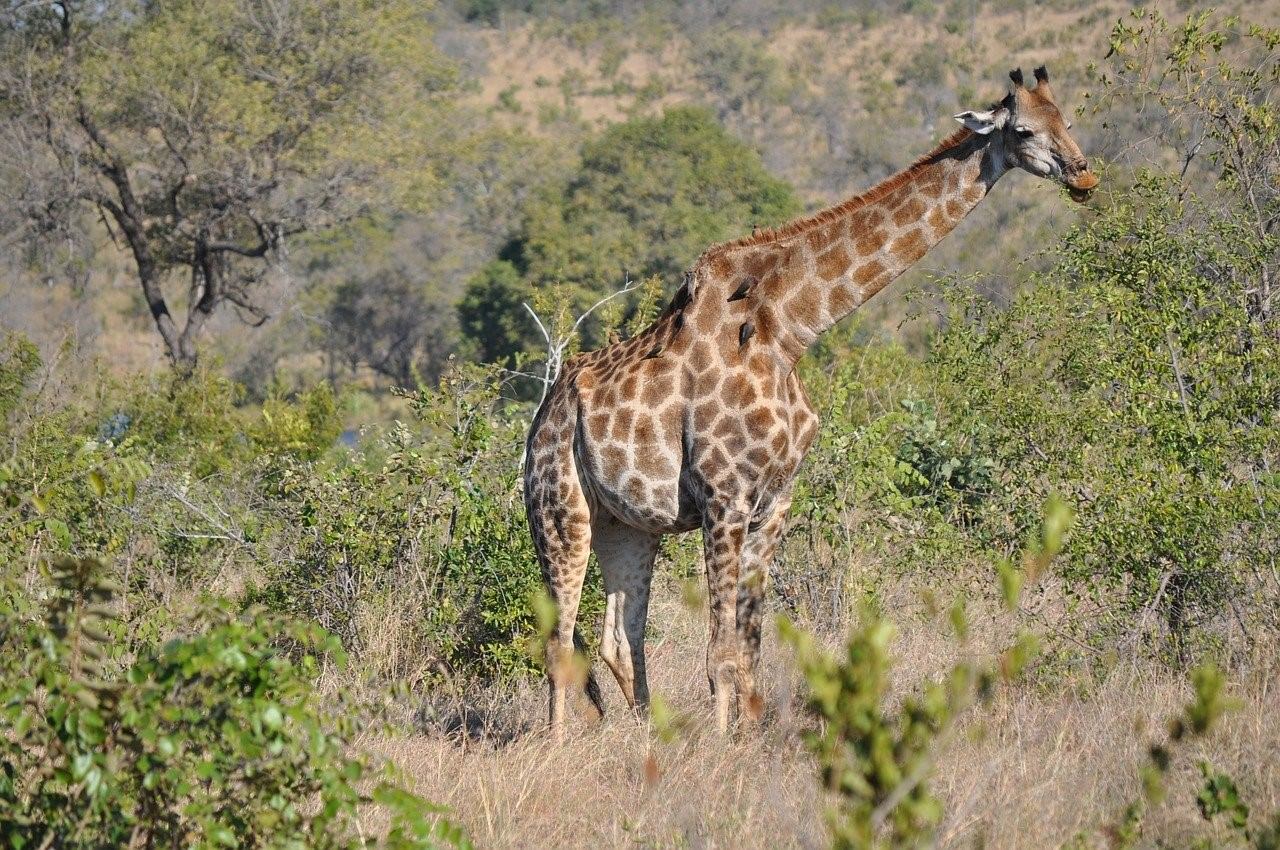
1147 609
1177 372
556 347
227 532
922 768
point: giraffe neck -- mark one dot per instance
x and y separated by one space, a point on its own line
813 273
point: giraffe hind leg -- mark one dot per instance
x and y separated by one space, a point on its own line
626 556
560 521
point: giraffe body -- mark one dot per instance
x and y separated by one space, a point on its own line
700 421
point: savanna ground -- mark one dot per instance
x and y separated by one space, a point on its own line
266 369
1043 764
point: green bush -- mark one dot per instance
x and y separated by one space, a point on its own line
19 360
412 549
947 470
650 195
1133 378
419 539
79 465
213 740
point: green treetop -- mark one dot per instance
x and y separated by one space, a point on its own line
650 195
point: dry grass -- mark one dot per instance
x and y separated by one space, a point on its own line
616 784
1044 763
1042 767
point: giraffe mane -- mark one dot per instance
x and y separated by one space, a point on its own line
830 214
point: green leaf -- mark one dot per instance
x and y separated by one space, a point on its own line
272 718
61 533
97 483
1011 579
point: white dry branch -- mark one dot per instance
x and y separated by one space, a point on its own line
556 347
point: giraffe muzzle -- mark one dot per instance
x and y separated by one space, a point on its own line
1081 184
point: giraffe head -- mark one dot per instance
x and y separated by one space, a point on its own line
1034 134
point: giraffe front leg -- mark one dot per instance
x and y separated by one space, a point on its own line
757 557
723 534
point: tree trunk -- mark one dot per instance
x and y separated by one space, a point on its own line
129 214
179 345
179 349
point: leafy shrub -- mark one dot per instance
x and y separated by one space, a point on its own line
422 538
945 470
213 740
1134 379
77 466
876 762
19 360
305 428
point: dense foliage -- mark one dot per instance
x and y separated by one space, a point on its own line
216 739
1134 377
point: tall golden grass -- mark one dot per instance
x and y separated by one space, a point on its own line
1053 758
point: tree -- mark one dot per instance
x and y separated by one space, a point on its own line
738 73
650 195
491 314
202 135
386 322
1205 89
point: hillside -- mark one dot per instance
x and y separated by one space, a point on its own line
832 99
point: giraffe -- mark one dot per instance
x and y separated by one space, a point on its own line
700 421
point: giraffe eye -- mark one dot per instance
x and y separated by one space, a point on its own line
1024 132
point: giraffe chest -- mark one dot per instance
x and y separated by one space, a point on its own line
748 442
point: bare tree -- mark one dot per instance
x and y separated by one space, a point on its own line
200 136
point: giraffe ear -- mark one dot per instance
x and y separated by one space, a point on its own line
983 122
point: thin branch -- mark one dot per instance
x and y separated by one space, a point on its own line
924 766
228 533
556 347
1177 373
627 286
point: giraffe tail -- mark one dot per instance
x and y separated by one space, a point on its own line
592 686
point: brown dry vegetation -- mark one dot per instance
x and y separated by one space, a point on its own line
1048 760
